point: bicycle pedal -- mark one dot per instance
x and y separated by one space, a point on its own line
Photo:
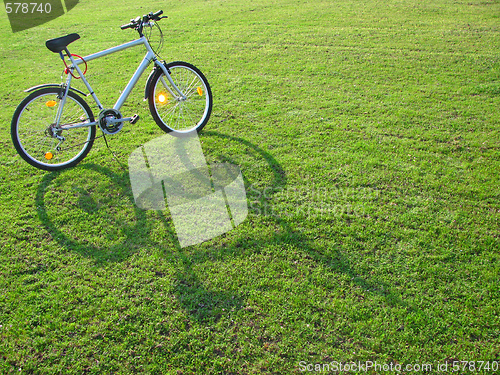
134 119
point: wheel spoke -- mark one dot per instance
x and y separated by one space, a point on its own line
33 126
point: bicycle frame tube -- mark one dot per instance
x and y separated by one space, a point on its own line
109 51
128 89
150 56
63 102
138 73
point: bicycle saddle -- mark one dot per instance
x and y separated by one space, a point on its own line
59 44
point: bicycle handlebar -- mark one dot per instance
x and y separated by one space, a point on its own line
138 22
132 23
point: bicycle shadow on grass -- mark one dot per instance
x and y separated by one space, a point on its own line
62 218
84 214
205 305
81 205
95 210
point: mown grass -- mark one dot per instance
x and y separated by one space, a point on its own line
368 137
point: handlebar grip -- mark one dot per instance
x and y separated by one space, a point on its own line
155 16
123 27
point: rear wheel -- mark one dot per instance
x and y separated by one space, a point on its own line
41 142
176 114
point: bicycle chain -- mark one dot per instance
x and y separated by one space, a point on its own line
79 144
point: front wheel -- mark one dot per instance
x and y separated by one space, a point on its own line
173 112
43 141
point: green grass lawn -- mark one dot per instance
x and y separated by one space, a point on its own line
368 136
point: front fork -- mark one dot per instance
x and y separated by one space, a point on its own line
166 72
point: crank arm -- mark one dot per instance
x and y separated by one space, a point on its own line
132 120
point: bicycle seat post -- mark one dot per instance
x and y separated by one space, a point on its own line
68 54
65 49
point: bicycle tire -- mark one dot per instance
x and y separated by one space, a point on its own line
174 115
32 129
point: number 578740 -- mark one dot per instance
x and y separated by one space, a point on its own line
28 8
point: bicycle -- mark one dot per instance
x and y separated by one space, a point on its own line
54 128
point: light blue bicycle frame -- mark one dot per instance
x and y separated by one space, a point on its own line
150 56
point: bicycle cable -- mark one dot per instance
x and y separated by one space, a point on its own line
148 37
79 144
68 70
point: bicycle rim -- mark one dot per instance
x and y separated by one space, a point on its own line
34 134
182 115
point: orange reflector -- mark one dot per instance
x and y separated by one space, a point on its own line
51 103
200 91
162 98
48 155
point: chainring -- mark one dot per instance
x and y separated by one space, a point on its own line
110 128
